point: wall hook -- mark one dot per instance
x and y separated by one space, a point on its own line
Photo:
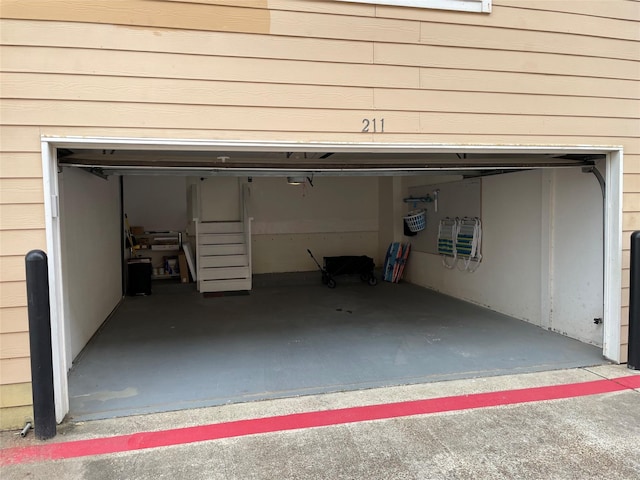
415 200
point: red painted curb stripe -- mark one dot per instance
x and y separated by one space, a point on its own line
296 421
632 382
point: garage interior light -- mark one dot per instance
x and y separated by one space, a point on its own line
296 180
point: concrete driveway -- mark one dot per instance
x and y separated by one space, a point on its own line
577 423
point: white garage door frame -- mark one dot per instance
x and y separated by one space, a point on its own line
49 144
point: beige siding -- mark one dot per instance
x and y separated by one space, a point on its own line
235 69
19 242
20 190
625 10
526 41
191 92
336 8
15 370
21 215
624 354
524 83
16 395
504 60
534 20
12 268
14 294
193 42
344 27
199 92
15 402
122 114
531 72
17 416
13 320
15 141
137 13
14 345
631 164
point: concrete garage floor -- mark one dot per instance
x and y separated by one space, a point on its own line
176 349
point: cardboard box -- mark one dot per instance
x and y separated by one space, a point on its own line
137 230
184 269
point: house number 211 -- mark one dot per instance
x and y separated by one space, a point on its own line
374 125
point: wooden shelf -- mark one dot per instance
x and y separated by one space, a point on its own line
169 241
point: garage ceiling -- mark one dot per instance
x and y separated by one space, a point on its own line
279 163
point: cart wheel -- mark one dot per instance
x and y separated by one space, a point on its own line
325 279
331 283
373 280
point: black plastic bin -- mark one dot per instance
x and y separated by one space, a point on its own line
139 276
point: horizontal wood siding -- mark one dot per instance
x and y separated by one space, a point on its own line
16 395
199 92
14 294
13 320
21 241
531 72
12 268
144 13
517 16
16 417
624 10
20 190
14 345
192 42
15 370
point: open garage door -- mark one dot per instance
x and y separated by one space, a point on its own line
296 163
532 203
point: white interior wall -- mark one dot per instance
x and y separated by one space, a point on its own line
508 281
577 232
220 199
157 203
455 198
385 212
337 216
531 266
91 253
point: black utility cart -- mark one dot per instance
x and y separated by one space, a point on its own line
346 265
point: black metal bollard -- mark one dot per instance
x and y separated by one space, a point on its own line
633 347
40 342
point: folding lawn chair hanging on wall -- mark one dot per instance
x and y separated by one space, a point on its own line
447 232
468 243
459 243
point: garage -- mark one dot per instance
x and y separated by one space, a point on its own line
538 299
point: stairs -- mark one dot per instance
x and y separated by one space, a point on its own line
224 256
